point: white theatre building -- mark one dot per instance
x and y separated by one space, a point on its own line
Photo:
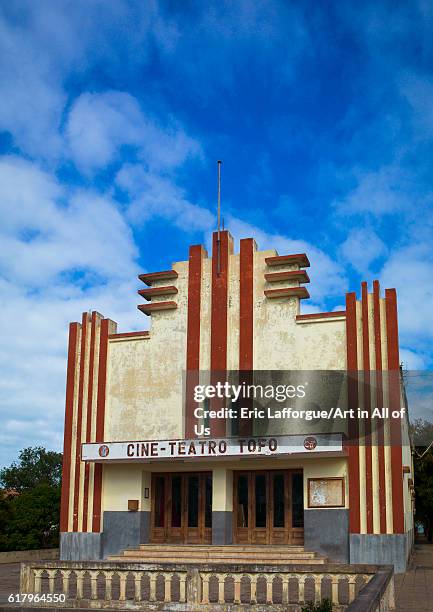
135 469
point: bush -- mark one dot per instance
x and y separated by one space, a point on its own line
324 606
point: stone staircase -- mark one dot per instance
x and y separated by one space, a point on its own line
232 553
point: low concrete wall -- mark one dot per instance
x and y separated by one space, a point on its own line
77 546
124 530
16 556
326 531
222 527
381 549
377 595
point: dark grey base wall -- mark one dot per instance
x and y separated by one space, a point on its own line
326 531
387 549
80 546
124 530
222 532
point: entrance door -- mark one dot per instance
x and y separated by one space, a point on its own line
269 507
182 508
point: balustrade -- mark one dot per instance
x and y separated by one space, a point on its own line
101 584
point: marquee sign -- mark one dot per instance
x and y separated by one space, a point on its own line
211 448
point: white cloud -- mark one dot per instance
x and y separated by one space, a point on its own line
47 231
44 44
418 92
62 253
361 248
153 195
410 271
33 329
99 125
412 360
388 190
32 99
327 276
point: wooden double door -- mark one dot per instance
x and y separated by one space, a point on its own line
269 507
182 508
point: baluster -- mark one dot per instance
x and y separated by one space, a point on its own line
122 579
269 583
221 588
237 597
182 587
168 577
137 586
253 583
301 587
366 579
65 581
152 580
80 583
334 590
108 582
205 588
285 597
352 587
51 576
317 588
38 580
94 584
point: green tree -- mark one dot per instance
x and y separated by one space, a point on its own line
30 519
35 466
422 436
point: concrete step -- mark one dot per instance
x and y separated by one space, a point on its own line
232 548
162 554
220 561
231 553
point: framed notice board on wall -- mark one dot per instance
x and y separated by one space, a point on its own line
326 492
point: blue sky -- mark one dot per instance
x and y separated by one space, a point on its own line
112 117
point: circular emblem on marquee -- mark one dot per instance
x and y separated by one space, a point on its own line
310 443
103 450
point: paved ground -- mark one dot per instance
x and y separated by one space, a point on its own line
414 589
9 580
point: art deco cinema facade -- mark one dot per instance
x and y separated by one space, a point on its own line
135 470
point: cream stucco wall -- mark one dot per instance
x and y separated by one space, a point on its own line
145 375
125 481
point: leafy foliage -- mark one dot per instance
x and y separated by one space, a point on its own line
36 466
324 606
423 467
30 503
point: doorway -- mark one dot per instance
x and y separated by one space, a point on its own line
269 507
182 508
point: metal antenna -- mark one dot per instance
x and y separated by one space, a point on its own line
219 219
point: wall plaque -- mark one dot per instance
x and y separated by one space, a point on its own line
326 492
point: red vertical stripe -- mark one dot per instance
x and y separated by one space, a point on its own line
196 254
246 323
89 417
79 421
219 311
69 410
367 407
394 403
379 403
246 258
100 416
353 450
